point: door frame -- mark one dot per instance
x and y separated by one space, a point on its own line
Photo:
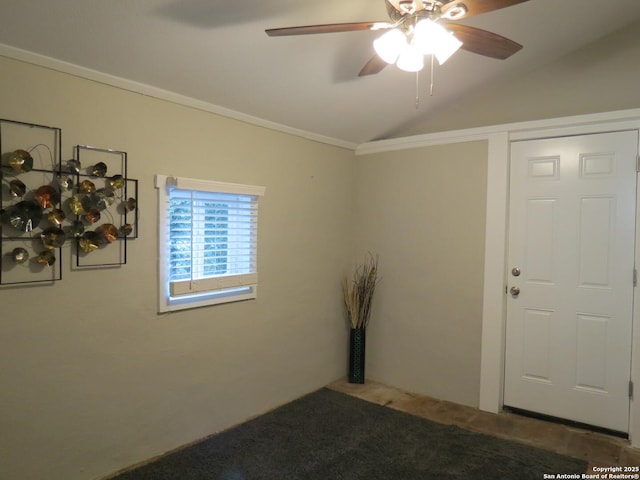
496 248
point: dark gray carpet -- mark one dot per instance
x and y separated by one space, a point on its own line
327 435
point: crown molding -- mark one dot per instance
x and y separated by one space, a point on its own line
571 125
161 94
517 131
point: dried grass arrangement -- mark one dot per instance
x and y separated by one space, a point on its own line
358 292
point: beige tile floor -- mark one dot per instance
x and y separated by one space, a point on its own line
597 449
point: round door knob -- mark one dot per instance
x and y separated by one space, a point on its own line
515 291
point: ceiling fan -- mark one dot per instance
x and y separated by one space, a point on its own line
417 29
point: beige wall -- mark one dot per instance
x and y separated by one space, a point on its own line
600 77
91 378
423 212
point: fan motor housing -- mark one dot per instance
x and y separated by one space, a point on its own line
404 7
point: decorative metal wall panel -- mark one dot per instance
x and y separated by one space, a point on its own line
30 204
86 202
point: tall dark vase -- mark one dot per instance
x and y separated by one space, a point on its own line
357 340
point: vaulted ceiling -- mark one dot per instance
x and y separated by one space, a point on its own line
217 52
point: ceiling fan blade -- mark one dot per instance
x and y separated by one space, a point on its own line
483 42
328 28
459 9
373 66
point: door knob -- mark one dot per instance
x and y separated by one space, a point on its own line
515 291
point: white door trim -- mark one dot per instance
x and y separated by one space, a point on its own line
495 256
494 306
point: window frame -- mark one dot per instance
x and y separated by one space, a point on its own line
219 293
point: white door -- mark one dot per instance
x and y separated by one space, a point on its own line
571 256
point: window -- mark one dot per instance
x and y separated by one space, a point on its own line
208 242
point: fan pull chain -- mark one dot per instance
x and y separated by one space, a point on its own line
431 85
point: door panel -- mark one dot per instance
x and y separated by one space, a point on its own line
571 236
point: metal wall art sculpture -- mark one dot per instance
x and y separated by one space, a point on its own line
87 203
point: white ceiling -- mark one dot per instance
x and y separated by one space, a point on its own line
216 51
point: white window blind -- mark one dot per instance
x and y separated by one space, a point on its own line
210 233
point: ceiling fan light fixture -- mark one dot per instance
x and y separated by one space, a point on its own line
411 59
447 47
390 45
432 38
